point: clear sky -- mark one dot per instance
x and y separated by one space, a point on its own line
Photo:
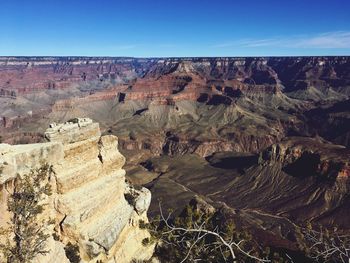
156 28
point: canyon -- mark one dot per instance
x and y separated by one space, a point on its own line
266 138
271 193
273 94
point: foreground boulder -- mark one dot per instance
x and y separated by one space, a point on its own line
92 205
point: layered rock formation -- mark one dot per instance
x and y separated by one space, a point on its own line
261 96
163 77
35 74
92 204
306 157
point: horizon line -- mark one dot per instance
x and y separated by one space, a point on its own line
165 57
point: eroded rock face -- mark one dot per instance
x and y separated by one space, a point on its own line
89 203
309 157
296 180
212 104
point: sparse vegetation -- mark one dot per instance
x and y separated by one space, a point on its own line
211 237
72 252
208 237
26 236
130 198
324 245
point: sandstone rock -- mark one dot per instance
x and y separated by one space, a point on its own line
73 131
143 201
89 185
140 199
57 253
20 159
108 156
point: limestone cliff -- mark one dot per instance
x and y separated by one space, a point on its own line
93 206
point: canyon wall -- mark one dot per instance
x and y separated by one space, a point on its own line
23 75
240 104
92 204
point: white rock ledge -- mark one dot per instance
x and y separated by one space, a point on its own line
88 204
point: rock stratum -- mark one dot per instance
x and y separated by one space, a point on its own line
188 105
89 204
265 137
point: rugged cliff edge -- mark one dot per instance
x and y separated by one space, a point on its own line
92 204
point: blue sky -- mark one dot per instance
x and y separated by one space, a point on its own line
158 28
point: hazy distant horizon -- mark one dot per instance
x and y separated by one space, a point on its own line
197 57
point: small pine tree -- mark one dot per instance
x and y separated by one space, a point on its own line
27 231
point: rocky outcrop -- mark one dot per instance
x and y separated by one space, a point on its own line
175 146
106 95
179 145
310 157
92 204
8 94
